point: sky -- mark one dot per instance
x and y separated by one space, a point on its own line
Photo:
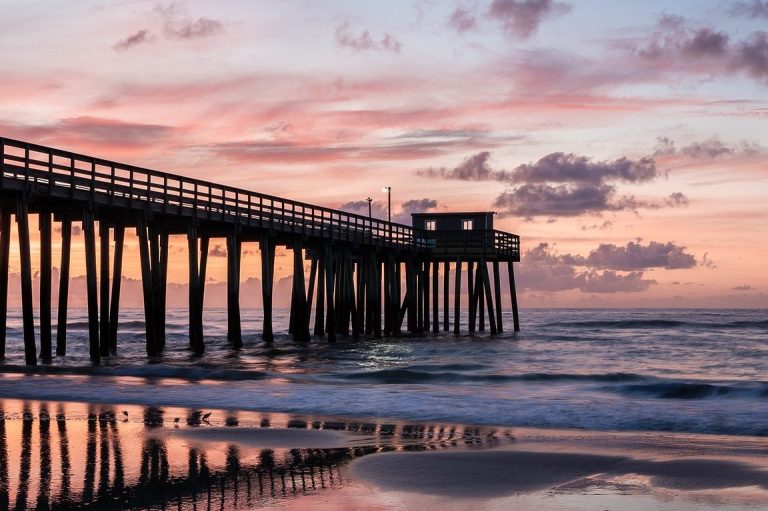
625 142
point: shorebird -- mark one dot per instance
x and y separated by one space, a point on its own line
205 417
125 413
176 421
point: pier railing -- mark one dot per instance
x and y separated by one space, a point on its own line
68 175
71 175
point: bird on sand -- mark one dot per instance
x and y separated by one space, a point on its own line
205 417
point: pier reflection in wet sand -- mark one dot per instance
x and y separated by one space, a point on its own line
89 456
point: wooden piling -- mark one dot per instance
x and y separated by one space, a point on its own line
91 289
44 218
61 323
299 313
22 221
435 312
197 248
426 277
488 297
330 313
457 299
497 291
5 246
311 288
470 295
117 277
513 294
320 300
267 249
446 295
234 333
376 294
147 287
390 309
480 305
104 288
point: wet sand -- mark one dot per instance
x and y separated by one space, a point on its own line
274 438
80 455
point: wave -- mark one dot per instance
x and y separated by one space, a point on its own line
413 375
695 390
155 371
658 323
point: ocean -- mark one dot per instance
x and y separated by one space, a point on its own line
692 371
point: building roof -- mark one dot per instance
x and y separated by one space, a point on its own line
456 213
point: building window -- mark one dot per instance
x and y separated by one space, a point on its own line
467 225
431 225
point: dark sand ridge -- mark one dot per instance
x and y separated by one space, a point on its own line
274 437
497 473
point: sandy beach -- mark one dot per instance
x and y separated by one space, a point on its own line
86 455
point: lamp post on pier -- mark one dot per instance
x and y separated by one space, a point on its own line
369 207
388 189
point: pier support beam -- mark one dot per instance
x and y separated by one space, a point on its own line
267 248
22 221
497 290
299 311
104 288
513 294
117 277
435 312
457 299
44 218
446 295
153 251
61 323
425 274
234 332
5 246
488 297
198 261
470 295
479 304
91 288
320 299
330 313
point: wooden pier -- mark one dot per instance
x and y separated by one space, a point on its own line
367 276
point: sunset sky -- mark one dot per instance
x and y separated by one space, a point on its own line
625 142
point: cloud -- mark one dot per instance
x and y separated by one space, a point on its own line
92 131
677 47
673 38
178 25
570 168
364 41
522 18
753 9
543 269
561 184
473 168
752 56
555 167
708 149
636 256
360 207
744 287
612 282
532 200
462 20
137 39
413 206
217 250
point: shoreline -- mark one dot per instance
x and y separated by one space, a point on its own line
343 460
